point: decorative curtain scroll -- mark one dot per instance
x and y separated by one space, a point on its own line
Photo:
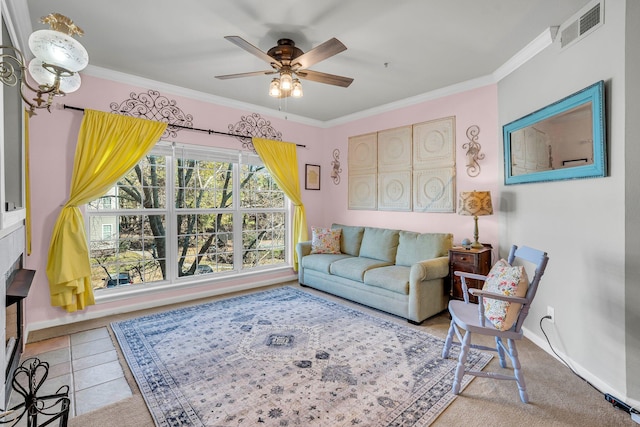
281 161
109 145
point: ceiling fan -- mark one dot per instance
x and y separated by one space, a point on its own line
290 63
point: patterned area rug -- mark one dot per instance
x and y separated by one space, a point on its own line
284 357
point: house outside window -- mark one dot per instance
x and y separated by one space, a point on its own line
185 213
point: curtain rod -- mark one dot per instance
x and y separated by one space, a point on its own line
209 131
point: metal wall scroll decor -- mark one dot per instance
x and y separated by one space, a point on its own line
253 126
473 148
153 106
336 169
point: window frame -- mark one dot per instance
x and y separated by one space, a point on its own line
171 152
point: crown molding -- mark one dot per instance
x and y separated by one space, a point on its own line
18 21
407 102
537 45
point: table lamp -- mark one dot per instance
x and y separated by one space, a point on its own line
476 203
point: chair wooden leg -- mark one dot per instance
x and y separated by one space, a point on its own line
500 351
522 388
448 341
462 360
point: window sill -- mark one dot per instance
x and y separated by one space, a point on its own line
201 288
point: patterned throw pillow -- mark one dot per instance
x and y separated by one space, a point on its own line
506 280
325 240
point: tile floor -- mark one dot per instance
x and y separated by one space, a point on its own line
85 361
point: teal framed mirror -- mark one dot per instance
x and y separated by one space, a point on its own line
564 140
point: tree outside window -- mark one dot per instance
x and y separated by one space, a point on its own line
208 228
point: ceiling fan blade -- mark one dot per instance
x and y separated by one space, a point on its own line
240 42
323 51
250 74
319 77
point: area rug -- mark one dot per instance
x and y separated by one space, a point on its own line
284 357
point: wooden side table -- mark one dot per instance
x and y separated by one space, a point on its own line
471 261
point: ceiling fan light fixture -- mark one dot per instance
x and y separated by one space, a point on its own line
296 90
274 88
286 81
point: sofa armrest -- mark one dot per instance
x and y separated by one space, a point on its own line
303 249
429 269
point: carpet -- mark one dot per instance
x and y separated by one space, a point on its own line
284 357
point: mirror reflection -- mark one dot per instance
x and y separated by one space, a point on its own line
562 141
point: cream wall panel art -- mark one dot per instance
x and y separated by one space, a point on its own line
363 171
409 168
434 161
394 191
434 143
394 169
394 149
363 154
362 192
434 190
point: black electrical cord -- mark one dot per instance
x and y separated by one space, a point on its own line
562 360
609 398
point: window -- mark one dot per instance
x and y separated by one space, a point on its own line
187 211
107 229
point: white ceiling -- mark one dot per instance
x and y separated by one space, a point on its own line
425 44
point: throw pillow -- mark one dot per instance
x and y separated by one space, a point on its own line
509 281
325 240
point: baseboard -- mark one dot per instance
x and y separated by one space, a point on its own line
80 317
583 372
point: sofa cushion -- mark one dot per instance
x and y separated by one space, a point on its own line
351 238
394 278
380 243
321 262
325 240
354 267
414 247
509 281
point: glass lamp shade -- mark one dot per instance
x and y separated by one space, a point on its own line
274 88
59 49
296 91
45 77
286 82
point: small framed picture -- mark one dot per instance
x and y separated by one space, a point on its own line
311 177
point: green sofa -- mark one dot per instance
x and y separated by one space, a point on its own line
399 272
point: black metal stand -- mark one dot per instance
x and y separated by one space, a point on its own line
27 380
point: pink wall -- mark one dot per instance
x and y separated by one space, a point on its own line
52 148
53 141
474 107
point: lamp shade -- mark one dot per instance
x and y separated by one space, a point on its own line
274 88
45 77
286 81
296 91
59 49
475 203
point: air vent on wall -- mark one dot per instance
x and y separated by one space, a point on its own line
582 24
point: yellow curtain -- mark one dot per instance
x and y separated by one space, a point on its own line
281 161
108 146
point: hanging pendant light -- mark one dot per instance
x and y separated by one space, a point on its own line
286 81
274 88
296 90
